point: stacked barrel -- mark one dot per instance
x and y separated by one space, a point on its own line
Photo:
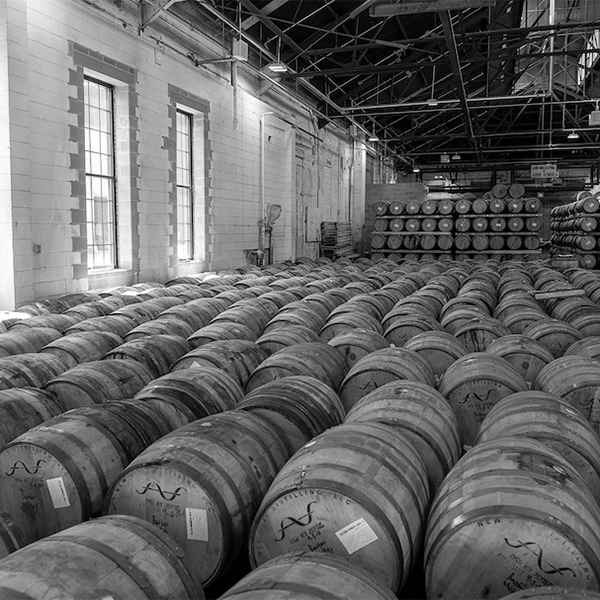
412 229
312 429
575 229
502 223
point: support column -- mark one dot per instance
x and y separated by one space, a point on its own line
16 253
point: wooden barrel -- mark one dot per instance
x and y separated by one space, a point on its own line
587 324
480 242
253 313
118 324
474 384
516 190
220 331
56 475
478 333
380 208
348 321
238 357
552 421
202 484
515 205
25 340
556 335
462 242
380 367
99 381
314 359
193 393
553 592
166 326
589 347
424 417
380 225
499 190
527 356
156 352
397 207
282 337
445 207
532 205
497 205
462 206
60 322
84 346
24 408
378 241
439 348
480 224
396 225
516 224
29 370
355 344
511 514
299 407
11 536
333 496
309 575
577 380
403 328
108 557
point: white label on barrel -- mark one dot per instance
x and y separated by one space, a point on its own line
197 524
58 493
357 535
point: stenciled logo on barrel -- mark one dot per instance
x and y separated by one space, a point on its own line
161 506
478 402
295 524
26 477
530 567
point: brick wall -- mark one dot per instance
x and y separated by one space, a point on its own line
52 44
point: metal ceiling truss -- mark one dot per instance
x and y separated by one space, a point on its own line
378 63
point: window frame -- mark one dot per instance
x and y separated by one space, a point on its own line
188 222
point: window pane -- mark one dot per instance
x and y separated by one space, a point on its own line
184 187
100 183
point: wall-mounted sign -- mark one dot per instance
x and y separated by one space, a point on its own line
547 171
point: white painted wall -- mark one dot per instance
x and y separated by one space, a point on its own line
38 149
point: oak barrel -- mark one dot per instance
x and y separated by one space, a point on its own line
355 344
334 496
511 514
108 557
84 346
425 418
473 384
309 575
202 485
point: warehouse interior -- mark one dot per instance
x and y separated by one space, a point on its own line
301 298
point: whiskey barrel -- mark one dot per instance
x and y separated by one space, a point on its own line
439 348
588 347
552 421
516 190
532 205
497 205
516 224
423 416
380 367
478 333
499 190
24 408
512 513
11 536
380 225
480 224
514 242
397 207
56 475
394 241
99 381
403 328
160 325
239 358
118 324
282 337
462 206
108 557
202 484
577 380
479 206
309 575
32 369
84 346
555 334
380 208
355 344
156 352
194 393
527 356
299 407
396 225
333 496
553 592
480 242
497 224
474 384
25 340
59 322
515 205
445 207
348 321
462 242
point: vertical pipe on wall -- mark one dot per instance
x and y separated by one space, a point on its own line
261 222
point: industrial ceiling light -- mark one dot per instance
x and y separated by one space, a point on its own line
456 156
373 137
573 135
416 169
277 67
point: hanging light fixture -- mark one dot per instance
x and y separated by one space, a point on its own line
456 156
573 135
432 101
278 66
